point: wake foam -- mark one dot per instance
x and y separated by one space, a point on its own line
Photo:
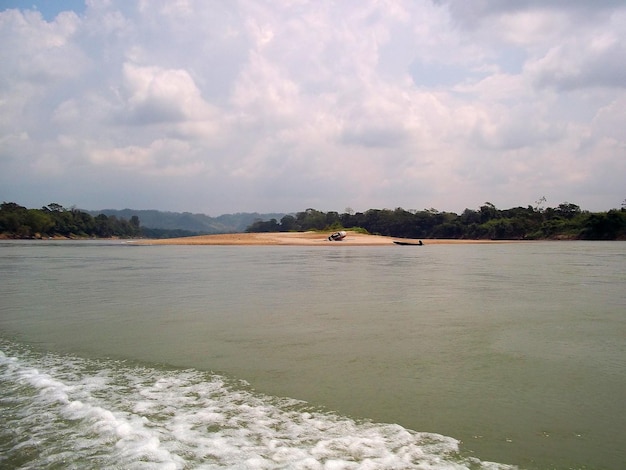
75 412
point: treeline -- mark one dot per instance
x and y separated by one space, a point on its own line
195 224
56 221
566 221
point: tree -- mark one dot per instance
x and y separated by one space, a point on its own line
54 207
567 210
288 223
39 222
539 204
102 228
260 226
311 219
605 226
487 212
470 217
12 217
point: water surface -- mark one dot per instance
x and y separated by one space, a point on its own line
508 353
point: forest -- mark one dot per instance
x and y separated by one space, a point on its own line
55 220
565 222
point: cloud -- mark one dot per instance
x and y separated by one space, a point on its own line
157 95
162 157
475 13
582 62
254 105
39 52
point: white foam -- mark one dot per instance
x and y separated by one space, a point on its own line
141 417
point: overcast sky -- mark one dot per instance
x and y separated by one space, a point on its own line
283 105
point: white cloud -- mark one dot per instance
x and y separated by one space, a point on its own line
582 62
155 95
162 158
37 51
280 106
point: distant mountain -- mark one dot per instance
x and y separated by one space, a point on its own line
199 223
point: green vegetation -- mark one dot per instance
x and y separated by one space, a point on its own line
565 222
56 221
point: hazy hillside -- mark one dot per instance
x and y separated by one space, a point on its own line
201 223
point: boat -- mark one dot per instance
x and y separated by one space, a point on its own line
419 243
337 236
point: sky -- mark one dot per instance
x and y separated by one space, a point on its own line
264 106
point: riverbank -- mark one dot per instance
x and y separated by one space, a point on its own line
300 238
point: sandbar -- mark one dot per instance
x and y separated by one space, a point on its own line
298 239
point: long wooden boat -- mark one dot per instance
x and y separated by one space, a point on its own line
419 243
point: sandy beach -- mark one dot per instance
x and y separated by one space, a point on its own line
297 238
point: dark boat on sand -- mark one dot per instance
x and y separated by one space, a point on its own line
398 242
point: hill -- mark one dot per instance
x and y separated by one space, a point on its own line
197 223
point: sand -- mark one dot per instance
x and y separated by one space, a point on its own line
296 238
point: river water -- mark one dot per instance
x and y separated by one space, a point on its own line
114 355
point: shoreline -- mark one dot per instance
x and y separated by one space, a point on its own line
305 239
